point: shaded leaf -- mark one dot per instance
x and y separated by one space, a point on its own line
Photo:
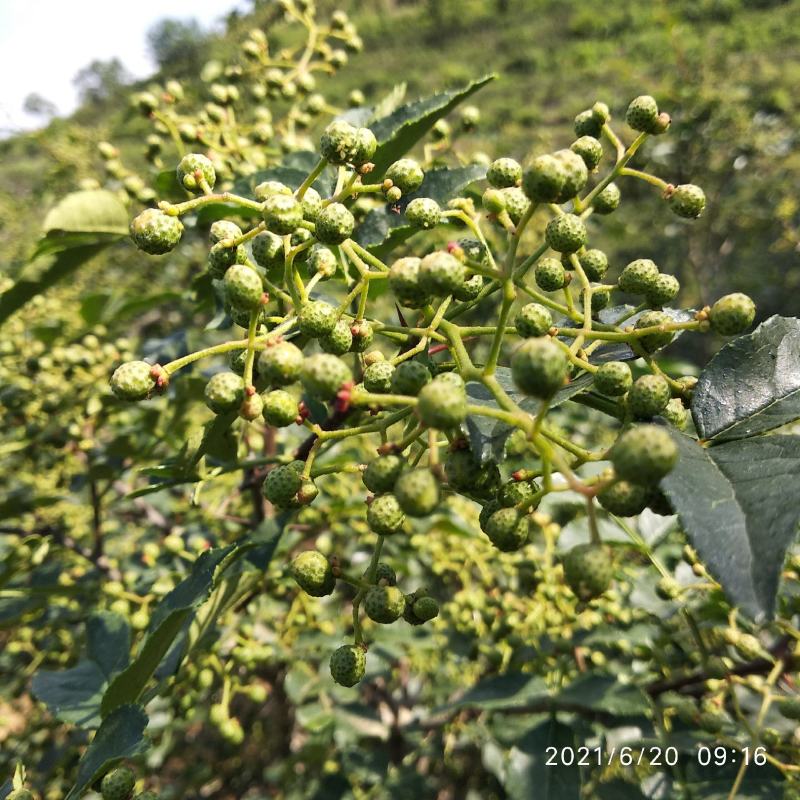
752 384
109 641
398 132
92 211
73 695
120 736
733 503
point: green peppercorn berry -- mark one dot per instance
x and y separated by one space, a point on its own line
339 340
133 380
514 492
576 174
243 287
378 377
589 149
224 392
220 257
623 498
550 275
424 609
337 142
642 114
423 213
594 263
280 363
118 784
322 261
282 484
384 604
384 515
267 250
348 664
155 232
613 378
361 335
644 454
676 413
312 204
268 188
662 290
533 320
654 341
223 229
441 405
544 181
648 396
441 274
364 146
404 282
406 174
732 314
385 574
600 300
381 474
493 201
334 224
687 200
639 276
566 233
279 408
516 203
504 172
607 201
323 375
587 123
282 213
313 573
539 367
462 469
251 407
409 377
470 289
417 492
317 318
392 194
507 529
193 169
588 571
789 707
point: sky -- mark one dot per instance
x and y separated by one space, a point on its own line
44 43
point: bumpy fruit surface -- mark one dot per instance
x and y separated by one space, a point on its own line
118 784
507 529
348 664
533 320
423 213
224 392
323 261
155 232
648 396
282 213
566 233
417 492
576 174
190 166
280 363
544 181
642 114
462 469
133 380
441 405
364 146
539 367
279 408
588 570
409 377
378 377
334 224
516 203
381 473
384 515
441 274
406 174
338 341
623 498
594 263
514 492
384 604
608 200
687 200
243 287
644 454
337 142
589 149
323 375
613 378
282 484
317 318
732 314
664 289
550 275
223 229
267 249
504 172
312 204
404 282
385 574
639 276
313 573
654 341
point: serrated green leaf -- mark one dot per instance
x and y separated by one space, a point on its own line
398 132
752 384
92 211
120 736
733 503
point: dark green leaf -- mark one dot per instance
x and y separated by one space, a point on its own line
734 504
294 170
511 690
603 693
73 695
6 789
167 186
109 641
398 132
752 385
385 228
120 736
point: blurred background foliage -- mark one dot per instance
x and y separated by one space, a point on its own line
76 535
